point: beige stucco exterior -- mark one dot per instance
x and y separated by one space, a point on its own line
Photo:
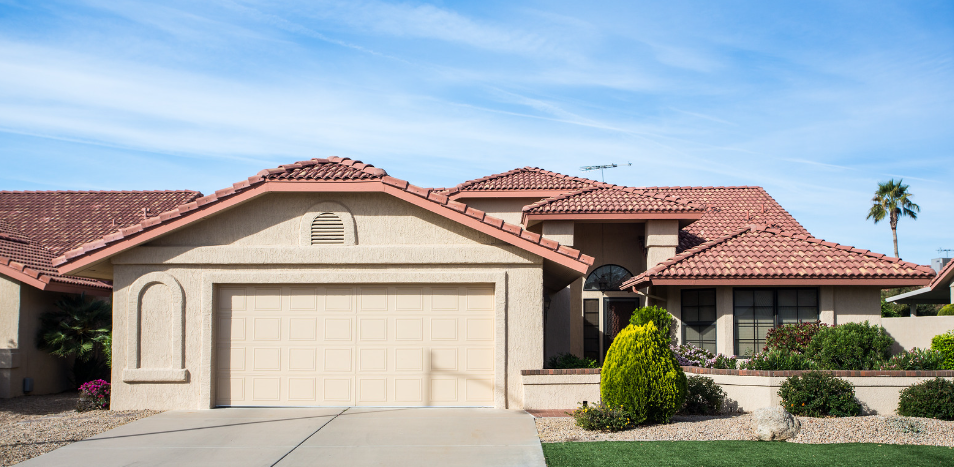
20 308
260 242
917 331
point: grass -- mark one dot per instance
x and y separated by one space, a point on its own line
733 453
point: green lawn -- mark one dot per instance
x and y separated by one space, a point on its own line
737 453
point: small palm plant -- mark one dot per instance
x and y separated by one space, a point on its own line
892 200
78 328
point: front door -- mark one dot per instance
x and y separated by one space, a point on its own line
616 314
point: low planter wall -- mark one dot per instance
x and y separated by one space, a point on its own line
747 390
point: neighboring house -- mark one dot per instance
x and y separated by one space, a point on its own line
328 282
940 291
35 227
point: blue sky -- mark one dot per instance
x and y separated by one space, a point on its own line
815 101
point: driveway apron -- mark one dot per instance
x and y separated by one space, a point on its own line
312 436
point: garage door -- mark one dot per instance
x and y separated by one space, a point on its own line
363 345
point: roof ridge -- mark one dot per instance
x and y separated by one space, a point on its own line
94 191
669 198
238 187
346 161
460 186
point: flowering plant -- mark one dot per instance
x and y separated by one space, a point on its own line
915 359
96 391
690 355
792 338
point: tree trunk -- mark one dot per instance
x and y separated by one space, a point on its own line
894 233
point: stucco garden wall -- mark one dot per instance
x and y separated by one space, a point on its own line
20 308
916 331
746 390
259 243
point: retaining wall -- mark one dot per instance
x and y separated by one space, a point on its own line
747 390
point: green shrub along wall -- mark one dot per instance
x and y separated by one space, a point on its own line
946 310
933 398
641 375
850 346
944 343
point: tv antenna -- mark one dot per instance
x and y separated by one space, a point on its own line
944 250
587 168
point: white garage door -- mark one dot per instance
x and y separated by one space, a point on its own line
369 345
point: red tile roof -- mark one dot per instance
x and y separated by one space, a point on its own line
526 178
943 276
60 220
612 199
729 208
334 170
759 253
37 225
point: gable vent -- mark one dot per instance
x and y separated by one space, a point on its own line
327 228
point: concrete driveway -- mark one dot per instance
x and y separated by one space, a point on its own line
312 436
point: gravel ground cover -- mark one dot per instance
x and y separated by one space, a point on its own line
33 425
867 429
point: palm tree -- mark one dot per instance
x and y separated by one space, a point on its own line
78 328
892 200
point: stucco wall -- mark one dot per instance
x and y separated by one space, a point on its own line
9 312
50 374
916 331
857 304
508 209
558 324
560 391
397 243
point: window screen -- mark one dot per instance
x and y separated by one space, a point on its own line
758 310
699 318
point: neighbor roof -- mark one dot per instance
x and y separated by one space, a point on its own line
333 174
613 201
37 225
758 255
521 180
937 292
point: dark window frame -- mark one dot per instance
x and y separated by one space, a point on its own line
698 324
776 319
609 286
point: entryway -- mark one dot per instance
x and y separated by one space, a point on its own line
357 436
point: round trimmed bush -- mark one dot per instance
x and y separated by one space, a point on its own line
705 397
641 375
946 310
817 394
850 346
933 398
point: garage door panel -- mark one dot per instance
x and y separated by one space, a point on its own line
355 345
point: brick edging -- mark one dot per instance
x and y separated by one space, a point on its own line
712 371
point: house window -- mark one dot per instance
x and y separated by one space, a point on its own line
591 329
606 277
758 310
699 318
326 229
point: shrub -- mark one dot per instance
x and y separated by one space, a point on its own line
659 316
565 361
723 362
641 375
690 355
817 394
705 397
915 359
778 360
933 398
944 343
850 346
946 310
792 337
603 418
93 395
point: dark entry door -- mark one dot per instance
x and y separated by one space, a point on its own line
616 312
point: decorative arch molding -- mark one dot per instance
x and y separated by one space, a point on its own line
175 372
326 207
607 277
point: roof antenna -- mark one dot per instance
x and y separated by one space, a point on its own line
587 168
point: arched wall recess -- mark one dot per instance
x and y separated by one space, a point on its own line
320 225
172 302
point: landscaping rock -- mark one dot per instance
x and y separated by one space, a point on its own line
775 424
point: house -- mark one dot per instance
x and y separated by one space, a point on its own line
35 227
329 282
939 291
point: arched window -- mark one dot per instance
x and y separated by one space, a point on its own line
606 277
327 229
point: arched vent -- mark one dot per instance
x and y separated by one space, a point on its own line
327 228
